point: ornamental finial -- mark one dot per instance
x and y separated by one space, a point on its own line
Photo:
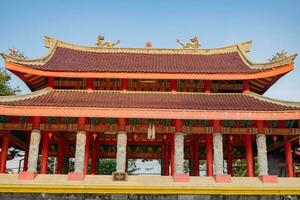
13 52
105 44
194 44
278 56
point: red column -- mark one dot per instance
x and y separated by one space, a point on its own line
94 154
81 123
167 158
229 157
163 158
196 159
172 155
173 85
60 157
191 159
289 159
90 84
4 149
45 153
124 84
207 86
51 83
209 155
87 153
249 155
246 87
25 164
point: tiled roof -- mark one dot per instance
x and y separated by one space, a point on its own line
148 100
64 57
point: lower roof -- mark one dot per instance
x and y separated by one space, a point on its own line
98 103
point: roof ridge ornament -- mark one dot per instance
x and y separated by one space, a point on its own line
193 44
106 44
13 52
279 56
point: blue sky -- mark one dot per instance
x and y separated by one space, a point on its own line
272 25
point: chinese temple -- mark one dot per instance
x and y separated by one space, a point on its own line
186 105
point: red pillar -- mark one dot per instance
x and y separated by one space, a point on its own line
167 158
196 159
207 86
229 157
209 155
4 149
124 84
191 159
163 158
172 155
90 84
51 83
173 85
289 159
249 155
87 153
45 153
94 154
246 87
60 157
25 164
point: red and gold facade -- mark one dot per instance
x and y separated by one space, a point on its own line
149 103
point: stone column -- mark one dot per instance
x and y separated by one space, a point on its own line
35 139
121 152
262 159
80 152
218 153
179 156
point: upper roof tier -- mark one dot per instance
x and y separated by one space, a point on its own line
227 63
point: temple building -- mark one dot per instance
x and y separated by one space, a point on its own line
185 105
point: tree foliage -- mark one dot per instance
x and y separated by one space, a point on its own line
5 87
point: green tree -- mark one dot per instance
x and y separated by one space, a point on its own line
5 87
108 166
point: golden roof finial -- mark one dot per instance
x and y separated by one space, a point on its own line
194 44
13 52
105 44
278 56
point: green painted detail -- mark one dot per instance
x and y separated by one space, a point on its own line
23 119
273 123
4 119
94 120
68 120
166 122
111 121
51 120
246 123
227 123
289 123
133 121
188 122
203 122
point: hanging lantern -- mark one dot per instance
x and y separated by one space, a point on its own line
50 134
275 138
94 135
165 136
135 136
